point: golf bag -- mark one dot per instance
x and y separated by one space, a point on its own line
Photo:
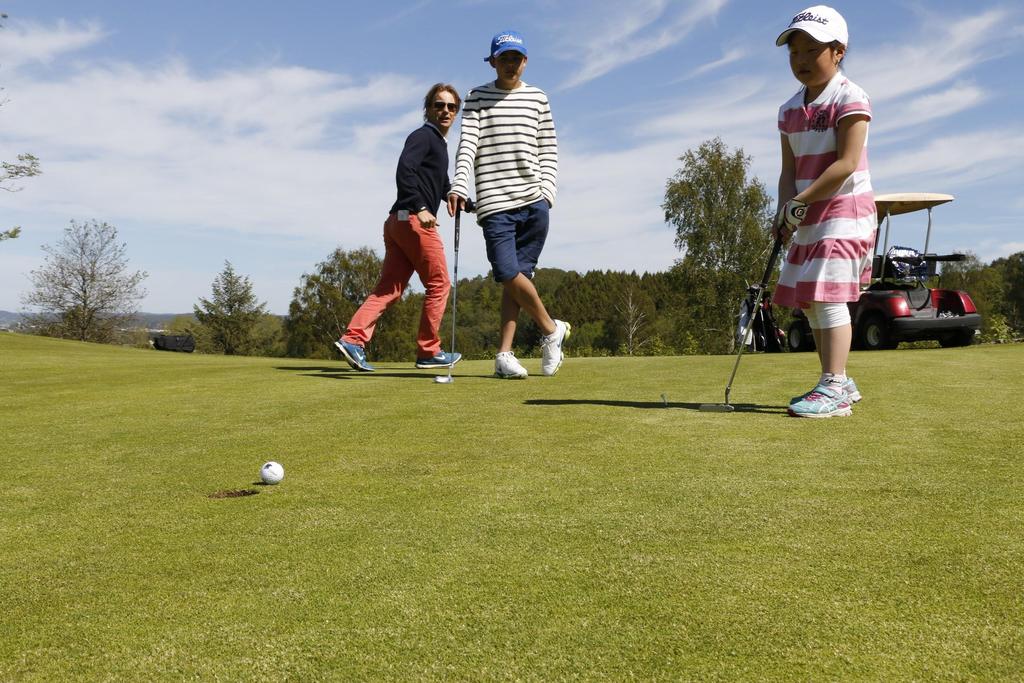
765 334
904 263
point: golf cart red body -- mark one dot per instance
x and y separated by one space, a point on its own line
898 305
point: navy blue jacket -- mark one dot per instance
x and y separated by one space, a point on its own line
422 174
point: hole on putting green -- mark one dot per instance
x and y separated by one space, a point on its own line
237 493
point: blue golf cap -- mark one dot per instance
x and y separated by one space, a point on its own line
505 41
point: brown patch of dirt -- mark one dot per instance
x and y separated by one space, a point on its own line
238 493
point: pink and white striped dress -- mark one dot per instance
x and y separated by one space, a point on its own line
830 256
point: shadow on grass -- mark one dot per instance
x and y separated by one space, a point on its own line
335 372
740 407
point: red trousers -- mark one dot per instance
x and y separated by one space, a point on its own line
408 248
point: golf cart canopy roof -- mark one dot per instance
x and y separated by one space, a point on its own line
907 202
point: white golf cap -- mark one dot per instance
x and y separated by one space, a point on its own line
820 22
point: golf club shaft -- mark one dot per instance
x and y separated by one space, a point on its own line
776 248
455 284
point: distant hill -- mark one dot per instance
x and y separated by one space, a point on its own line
156 321
153 321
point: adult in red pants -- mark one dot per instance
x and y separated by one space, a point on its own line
411 241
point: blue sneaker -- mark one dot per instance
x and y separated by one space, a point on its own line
823 401
849 386
355 355
441 360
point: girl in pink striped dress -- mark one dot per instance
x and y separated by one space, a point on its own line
826 201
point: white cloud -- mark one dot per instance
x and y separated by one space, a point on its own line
397 15
167 107
603 38
1012 247
27 42
986 250
736 103
278 150
952 161
913 113
733 55
942 49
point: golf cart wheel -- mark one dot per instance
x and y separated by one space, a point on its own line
799 337
873 334
960 338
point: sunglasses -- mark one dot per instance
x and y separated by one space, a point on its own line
450 106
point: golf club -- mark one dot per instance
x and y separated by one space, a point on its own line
727 407
442 379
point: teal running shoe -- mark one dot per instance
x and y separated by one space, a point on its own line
823 401
849 386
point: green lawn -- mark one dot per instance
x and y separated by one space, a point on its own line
573 527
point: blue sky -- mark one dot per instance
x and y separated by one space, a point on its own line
267 134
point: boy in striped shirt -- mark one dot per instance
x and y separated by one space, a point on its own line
508 142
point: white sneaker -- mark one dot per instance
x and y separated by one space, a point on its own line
507 366
551 348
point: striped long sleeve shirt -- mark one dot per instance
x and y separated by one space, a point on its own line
508 143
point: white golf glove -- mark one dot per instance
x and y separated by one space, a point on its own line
793 213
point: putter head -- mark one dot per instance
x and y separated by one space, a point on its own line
716 408
444 379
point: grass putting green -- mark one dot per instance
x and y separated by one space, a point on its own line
574 527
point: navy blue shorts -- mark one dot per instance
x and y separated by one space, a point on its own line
515 238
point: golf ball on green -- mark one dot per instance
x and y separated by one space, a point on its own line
271 472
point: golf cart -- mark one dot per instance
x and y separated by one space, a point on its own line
898 305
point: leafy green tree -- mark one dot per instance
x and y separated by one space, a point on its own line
268 336
84 290
478 318
325 300
721 220
984 283
231 315
1011 270
596 302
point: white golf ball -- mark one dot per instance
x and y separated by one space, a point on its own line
271 472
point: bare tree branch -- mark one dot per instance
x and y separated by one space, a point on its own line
83 290
633 320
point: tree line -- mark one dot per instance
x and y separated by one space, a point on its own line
86 290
